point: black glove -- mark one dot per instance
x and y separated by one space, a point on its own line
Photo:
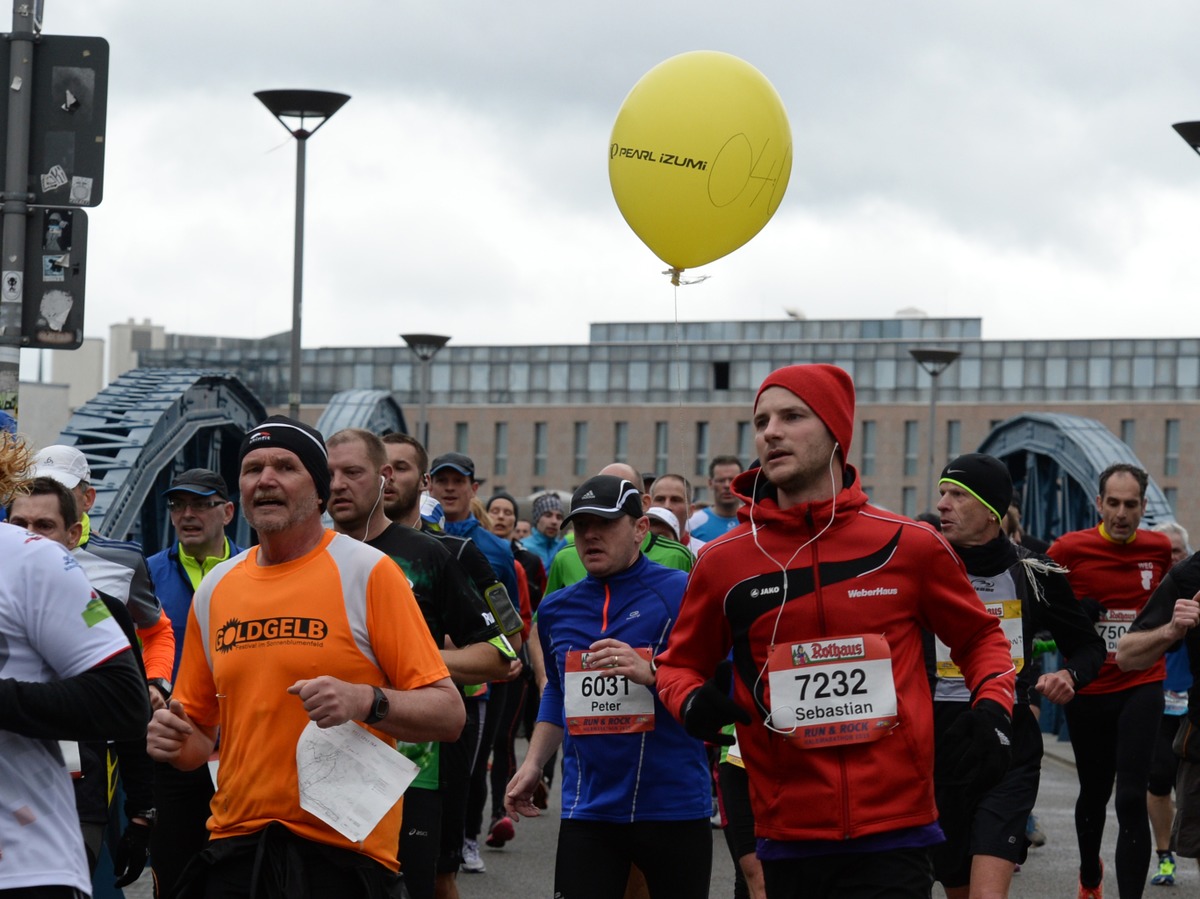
130 858
975 752
709 708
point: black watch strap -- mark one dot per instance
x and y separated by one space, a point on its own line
379 708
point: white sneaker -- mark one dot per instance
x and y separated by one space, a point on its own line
471 862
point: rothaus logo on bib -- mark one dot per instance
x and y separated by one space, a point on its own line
831 650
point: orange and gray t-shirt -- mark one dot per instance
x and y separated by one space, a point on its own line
343 610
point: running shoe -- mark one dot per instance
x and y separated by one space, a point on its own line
1166 871
1033 831
471 862
501 832
1096 892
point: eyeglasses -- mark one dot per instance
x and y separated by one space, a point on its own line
198 505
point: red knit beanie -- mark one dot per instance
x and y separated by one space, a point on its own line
827 390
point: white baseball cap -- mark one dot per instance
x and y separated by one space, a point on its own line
666 516
65 464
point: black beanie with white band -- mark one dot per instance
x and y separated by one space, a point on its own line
306 442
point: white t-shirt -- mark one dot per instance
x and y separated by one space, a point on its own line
52 626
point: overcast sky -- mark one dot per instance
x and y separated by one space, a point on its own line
1012 161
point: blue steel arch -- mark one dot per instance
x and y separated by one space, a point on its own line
1055 461
374 410
146 427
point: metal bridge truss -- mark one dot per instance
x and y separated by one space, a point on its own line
1055 461
374 410
148 426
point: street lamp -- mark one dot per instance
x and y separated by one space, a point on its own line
425 347
1190 132
306 106
934 362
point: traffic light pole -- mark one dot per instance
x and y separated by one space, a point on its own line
16 199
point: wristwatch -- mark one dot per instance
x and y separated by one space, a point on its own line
162 685
379 708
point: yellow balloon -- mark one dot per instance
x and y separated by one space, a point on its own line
700 156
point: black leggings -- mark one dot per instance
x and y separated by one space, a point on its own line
891 874
490 711
504 755
1113 737
739 821
594 857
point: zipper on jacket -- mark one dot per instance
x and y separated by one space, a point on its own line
820 603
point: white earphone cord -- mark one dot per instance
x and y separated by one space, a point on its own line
378 500
783 568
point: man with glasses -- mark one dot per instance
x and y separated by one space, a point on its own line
200 509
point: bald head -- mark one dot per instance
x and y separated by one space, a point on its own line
630 474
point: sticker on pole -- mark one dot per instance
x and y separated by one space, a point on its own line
11 284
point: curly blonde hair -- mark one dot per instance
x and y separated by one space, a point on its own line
15 461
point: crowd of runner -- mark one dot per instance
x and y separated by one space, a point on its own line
852 695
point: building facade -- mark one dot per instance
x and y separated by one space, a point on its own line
668 397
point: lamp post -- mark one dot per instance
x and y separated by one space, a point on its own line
305 106
424 347
934 362
1190 132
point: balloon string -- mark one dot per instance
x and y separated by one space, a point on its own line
679 412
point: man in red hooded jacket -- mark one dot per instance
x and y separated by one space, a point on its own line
823 599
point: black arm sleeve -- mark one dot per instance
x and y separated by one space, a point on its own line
107 702
137 774
1074 633
467 617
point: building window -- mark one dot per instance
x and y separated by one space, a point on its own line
460 437
581 448
500 462
1128 431
621 441
953 439
908 502
745 443
540 439
912 447
662 463
720 375
867 442
701 448
1171 456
